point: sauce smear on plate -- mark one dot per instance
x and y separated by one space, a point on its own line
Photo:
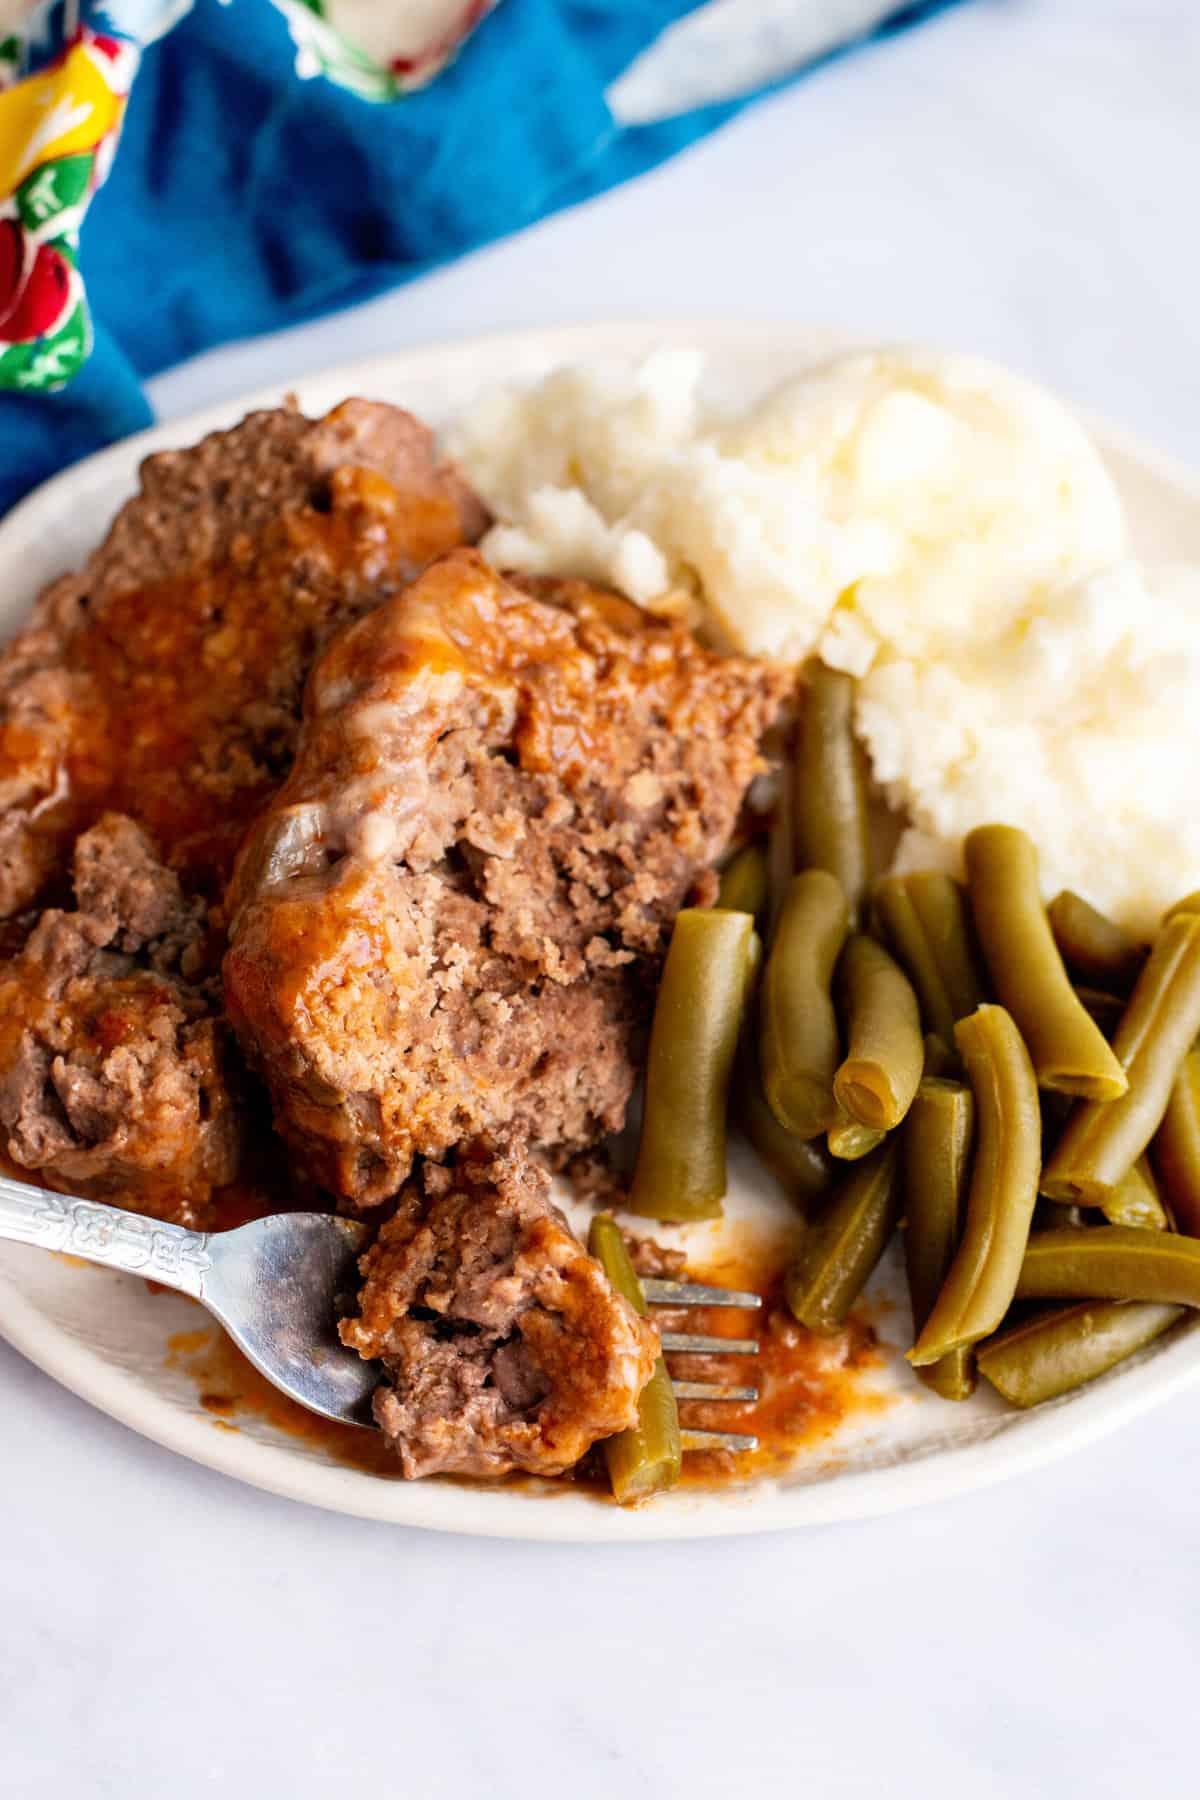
808 1386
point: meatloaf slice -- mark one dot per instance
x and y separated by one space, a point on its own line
164 678
111 1066
448 924
503 1343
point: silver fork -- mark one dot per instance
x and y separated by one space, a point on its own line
687 1343
274 1284
277 1286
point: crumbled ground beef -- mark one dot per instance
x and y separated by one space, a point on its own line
449 924
504 1345
594 1181
112 1068
656 1260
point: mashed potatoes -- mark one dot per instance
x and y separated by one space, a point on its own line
936 526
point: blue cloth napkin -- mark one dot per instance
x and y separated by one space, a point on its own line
243 198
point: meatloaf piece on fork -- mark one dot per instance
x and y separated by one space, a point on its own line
503 1344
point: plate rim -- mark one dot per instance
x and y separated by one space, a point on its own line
620 336
1031 1441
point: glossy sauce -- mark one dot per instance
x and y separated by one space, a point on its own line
234 1392
184 695
808 1385
568 687
177 670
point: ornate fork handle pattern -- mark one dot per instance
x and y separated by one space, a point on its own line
105 1234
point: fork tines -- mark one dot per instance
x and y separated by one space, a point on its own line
693 1343
689 1343
712 1390
717 1440
690 1293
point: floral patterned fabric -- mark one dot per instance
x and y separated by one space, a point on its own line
64 83
177 174
59 125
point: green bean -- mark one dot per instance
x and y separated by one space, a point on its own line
945 919
885 1053
829 805
1067 1047
936 1165
1135 1200
1105 1009
839 1252
647 1458
1176 1147
1111 1262
744 882
1098 952
754 957
1004 1180
680 1169
1101 1143
798 1036
800 1165
849 1139
923 920
1050 1355
781 850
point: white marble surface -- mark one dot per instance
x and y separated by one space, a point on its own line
1017 178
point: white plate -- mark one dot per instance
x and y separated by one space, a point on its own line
105 1335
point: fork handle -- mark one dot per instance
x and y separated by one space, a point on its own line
168 1254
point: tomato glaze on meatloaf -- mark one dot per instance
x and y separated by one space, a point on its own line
448 924
164 678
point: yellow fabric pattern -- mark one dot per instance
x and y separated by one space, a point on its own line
60 112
